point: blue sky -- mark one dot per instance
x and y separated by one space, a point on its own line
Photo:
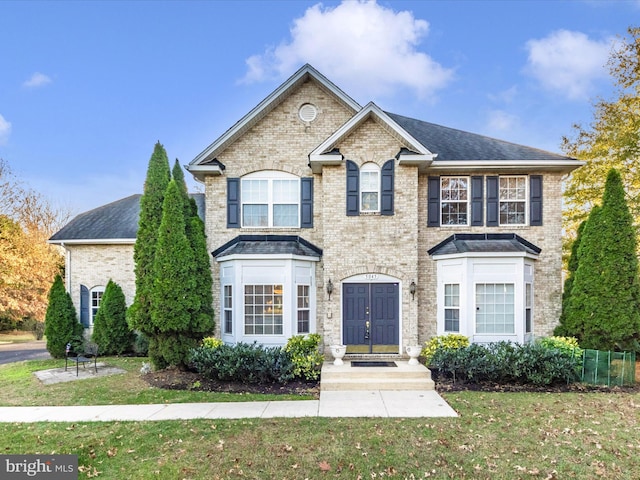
87 88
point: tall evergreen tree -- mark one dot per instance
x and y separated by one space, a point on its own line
110 329
174 296
203 314
563 329
158 176
604 306
61 320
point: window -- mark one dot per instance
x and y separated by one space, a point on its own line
303 308
228 309
96 299
270 199
513 200
495 308
370 188
452 307
263 310
528 326
454 200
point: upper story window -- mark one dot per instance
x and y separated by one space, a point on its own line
370 188
270 199
513 200
454 200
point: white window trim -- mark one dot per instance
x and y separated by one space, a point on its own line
92 314
302 309
525 201
370 167
269 176
450 307
227 309
467 201
469 269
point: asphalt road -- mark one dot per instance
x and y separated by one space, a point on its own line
17 352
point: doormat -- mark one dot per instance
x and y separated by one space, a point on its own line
373 364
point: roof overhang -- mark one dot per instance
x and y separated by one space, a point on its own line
484 245
327 153
517 166
94 241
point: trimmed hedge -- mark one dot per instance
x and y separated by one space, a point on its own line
253 363
505 363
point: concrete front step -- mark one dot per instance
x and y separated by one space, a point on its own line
401 377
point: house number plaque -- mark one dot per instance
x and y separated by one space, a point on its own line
371 276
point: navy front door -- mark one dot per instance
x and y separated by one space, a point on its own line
370 321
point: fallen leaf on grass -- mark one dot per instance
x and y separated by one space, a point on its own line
324 466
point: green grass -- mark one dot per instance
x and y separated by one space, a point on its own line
497 436
19 386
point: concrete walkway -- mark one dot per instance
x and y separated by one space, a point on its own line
331 404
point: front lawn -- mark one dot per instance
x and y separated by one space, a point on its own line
497 436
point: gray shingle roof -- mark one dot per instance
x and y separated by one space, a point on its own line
268 245
115 221
451 144
482 243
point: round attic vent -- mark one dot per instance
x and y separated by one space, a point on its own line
308 112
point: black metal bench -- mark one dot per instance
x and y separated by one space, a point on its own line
90 355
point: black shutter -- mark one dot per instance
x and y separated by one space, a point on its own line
433 205
386 190
493 202
84 306
353 188
233 203
306 202
476 201
535 200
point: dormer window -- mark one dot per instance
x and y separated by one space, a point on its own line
370 188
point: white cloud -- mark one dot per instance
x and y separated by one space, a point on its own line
358 44
505 96
501 121
568 62
37 80
5 130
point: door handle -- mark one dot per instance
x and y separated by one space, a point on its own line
367 330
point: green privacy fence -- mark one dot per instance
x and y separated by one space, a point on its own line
608 368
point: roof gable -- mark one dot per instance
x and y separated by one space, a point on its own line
327 154
205 162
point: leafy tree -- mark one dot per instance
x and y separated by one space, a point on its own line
603 310
61 321
174 297
563 329
28 265
611 141
158 176
110 329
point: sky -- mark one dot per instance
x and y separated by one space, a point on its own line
88 87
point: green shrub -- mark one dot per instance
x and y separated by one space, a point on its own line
567 345
141 345
61 321
506 363
212 342
243 362
110 330
451 341
305 355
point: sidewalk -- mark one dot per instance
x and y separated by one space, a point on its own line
377 403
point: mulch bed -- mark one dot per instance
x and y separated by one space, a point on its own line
174 379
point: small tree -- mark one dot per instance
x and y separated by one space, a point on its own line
110 329
603 310
61 320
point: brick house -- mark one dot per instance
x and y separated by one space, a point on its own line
375 230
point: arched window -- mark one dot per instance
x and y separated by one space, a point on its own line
370 188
